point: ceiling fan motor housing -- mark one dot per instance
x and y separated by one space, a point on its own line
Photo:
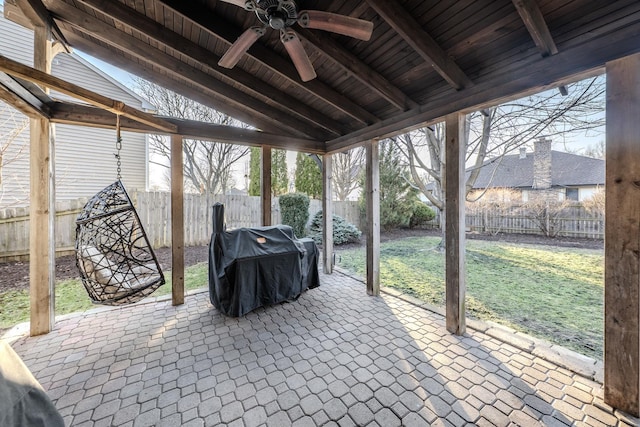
278 14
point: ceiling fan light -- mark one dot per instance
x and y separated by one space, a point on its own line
276 22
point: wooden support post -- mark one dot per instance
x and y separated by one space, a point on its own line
327 213
265 179
42 207
177 221
622 242
372 193
455 224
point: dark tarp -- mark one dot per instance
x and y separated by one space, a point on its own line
23 402
255 267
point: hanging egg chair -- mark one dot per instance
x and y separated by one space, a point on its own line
116 262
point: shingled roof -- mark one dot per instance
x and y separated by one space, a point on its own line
567 170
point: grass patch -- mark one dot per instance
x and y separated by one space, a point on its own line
549 292
71 297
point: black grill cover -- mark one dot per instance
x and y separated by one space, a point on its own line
254 267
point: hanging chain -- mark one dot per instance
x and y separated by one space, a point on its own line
118 148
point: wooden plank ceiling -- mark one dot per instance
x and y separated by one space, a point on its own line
425 59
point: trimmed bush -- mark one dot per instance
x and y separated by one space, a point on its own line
421 215
294 211
343 231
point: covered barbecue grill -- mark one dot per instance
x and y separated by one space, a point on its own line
255 267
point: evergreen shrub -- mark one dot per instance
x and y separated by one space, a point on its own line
421 215
294 211
343 231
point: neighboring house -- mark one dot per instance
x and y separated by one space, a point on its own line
555 175
84 156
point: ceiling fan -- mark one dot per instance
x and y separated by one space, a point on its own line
281 15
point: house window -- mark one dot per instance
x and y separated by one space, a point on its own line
572 194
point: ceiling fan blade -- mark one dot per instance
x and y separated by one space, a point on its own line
298 55
341 24
239 3
240 46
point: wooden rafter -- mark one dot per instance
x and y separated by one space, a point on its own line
568 65
228 33
87 24
84 115
358 69
21 98
36 14
536 25
117 107
135 20
412 32
205 97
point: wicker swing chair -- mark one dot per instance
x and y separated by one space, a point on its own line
116 262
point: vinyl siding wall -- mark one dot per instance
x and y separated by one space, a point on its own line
84 157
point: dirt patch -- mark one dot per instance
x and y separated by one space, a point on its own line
15 275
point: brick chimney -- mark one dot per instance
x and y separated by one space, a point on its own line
542 164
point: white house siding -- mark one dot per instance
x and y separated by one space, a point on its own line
84 156
585 193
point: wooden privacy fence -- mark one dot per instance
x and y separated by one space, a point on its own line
569 221
154 209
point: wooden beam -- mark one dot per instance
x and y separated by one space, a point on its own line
259 88
83 115
536 25
327 213
173 66
205 96
412 32
31 14
455 223
265 182
177 221
118 107
220 28
622 245
21 99
353 66
41 233
372 194
523 78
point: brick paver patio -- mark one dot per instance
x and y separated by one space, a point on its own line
334 357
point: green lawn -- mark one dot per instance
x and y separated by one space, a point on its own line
546 291
71 296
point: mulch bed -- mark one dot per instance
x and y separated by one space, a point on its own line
15 275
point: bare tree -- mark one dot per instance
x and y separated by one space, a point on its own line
596 203
208 165
546 214
597 150
11 127
346 170
494 132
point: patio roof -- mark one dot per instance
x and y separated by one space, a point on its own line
426 61
423 61
329 357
